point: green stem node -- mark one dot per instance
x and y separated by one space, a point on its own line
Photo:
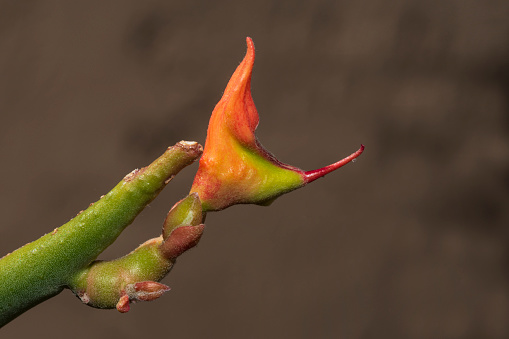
104 283
116 283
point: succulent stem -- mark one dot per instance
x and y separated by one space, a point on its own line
41 269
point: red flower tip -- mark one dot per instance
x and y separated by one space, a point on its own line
311 176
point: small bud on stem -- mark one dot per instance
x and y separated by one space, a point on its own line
146 290
181 239
186 212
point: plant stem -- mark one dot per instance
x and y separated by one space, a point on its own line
41 269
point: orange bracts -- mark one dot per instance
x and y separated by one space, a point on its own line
235 168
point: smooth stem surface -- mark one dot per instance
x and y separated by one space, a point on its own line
40 270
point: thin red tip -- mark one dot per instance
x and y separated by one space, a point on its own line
310 176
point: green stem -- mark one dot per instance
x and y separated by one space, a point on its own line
104 283
134 277
41 269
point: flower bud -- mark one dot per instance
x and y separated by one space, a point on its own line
180 240
186 212
146 290
182 227
123 304
234 167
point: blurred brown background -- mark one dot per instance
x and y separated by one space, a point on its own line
411 241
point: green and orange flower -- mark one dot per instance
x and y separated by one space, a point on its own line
235 168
